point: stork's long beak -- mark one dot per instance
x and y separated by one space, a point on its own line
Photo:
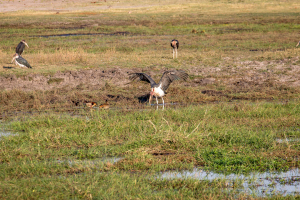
13 59
298 44
26 44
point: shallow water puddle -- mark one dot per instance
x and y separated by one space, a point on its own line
4 133
91 162
288 140
257 184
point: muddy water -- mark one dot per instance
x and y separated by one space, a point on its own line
256 184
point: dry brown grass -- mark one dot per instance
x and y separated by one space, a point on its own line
62 56
61 59
280 55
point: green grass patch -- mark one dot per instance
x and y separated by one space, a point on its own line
55 80
51 147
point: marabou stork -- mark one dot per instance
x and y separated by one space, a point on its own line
175 46
19 60
21 46
298 44
104 105
159 90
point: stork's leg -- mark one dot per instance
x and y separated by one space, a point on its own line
156 102
163 102
176 52
173 53
150 98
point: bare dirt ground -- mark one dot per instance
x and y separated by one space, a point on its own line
95 78
244 75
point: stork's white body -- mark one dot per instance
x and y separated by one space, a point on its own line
21 65
158 92
17 63
20 61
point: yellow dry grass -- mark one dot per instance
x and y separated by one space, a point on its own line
61 56
288 53
60 59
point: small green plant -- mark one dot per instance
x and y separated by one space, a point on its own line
55 80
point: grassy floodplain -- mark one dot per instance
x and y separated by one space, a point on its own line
236 138
242 96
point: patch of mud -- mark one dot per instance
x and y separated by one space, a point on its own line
91 78
162 153
242 77
205 81
69 89
246 75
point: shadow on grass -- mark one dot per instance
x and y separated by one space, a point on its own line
5 67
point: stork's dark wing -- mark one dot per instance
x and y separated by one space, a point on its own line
177 44
169 76
20 48
143 77
22 61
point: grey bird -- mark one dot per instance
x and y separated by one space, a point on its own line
175 46
159 90
19 60
21 46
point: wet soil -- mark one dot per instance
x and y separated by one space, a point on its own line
243 76
93 78
239 80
